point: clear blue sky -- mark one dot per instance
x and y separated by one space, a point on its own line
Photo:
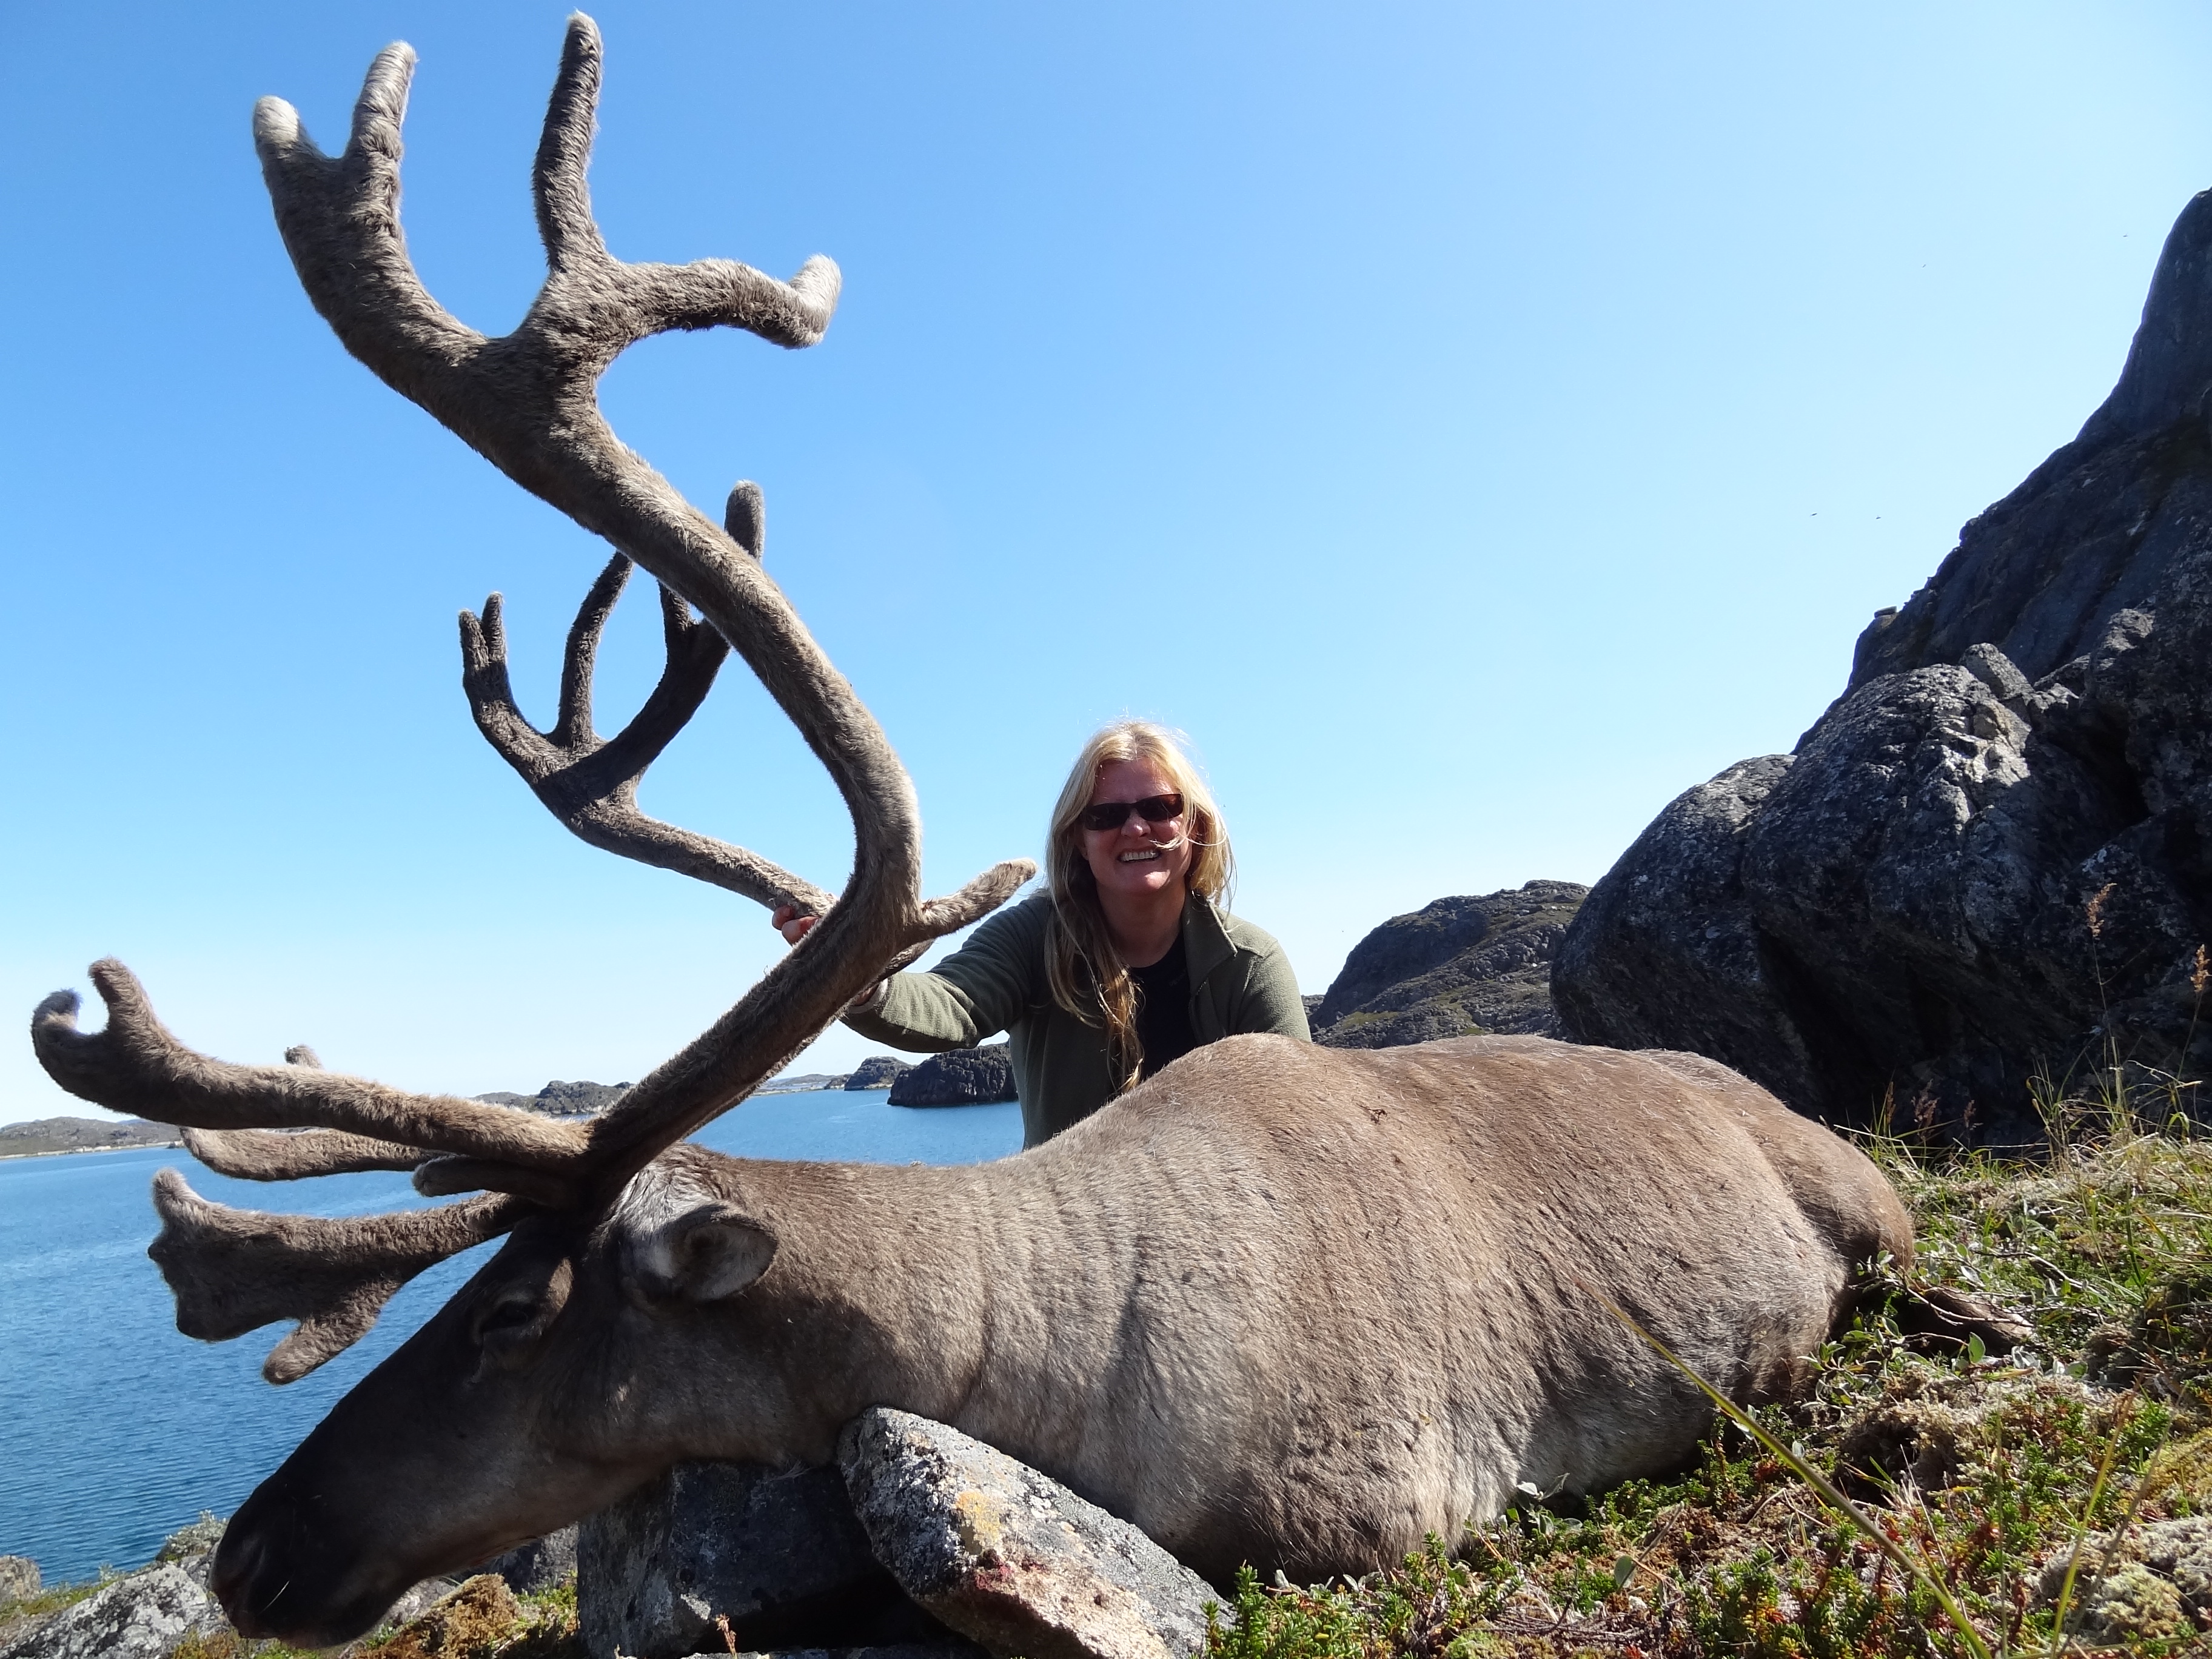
1473 424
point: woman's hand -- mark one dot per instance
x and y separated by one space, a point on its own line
787 921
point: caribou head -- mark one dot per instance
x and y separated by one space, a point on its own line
592 1244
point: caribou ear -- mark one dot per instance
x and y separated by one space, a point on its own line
705 1255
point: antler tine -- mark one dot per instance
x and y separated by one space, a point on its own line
136 1066
266 1155
234 1271
590 783
580 661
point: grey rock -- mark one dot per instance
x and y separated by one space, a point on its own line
894 1650
781 1557
140 1616
877 1072
2155 1583
1014 1559
2181 1549
1896 915
415 1602
19 1578
1455 968
559 1099
191 1549
963 1076
541 1564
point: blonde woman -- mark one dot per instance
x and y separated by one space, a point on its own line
1128 961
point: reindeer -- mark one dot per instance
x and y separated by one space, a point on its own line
1280 1305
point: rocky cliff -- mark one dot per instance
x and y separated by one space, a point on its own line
964 1076
1456 966
1992 856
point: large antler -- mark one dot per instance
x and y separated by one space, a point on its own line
527 401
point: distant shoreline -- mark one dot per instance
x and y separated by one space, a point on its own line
72 1151
92 1135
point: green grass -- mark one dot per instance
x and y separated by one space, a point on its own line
2024 1490
51 1599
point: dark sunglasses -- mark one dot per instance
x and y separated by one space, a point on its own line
1113 814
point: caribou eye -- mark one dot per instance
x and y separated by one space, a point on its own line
511 1315
508 1331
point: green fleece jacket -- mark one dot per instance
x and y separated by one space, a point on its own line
1240 982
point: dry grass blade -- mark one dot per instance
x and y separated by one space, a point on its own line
1879 1536
2062 1640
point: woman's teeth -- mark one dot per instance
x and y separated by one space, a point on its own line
1138 858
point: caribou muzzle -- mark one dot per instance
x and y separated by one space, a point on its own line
283 1572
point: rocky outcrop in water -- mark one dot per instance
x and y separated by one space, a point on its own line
1453 968
1992 856
877 1072
963 1076
559 1099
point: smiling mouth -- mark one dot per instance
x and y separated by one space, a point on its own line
1148 853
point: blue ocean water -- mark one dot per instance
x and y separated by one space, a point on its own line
115 1431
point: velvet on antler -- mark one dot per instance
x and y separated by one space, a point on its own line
527 401
235 1271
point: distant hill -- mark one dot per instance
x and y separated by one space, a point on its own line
1456 967
803 1082
82 1134
559 1099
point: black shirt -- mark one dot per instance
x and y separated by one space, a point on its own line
1164 1009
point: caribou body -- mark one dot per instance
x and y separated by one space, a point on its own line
1280 1305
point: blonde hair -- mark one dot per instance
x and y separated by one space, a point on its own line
1086 973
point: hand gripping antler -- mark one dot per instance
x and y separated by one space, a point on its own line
527 401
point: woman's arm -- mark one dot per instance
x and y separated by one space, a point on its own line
978 991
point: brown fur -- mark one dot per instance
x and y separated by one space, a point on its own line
1286 1304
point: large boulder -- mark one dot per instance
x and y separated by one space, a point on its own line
779 1556
963 1076
1012 1558
1454 968
543 1564
20 1578
1992 857
140 1616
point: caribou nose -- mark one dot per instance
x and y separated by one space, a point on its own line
237 1563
